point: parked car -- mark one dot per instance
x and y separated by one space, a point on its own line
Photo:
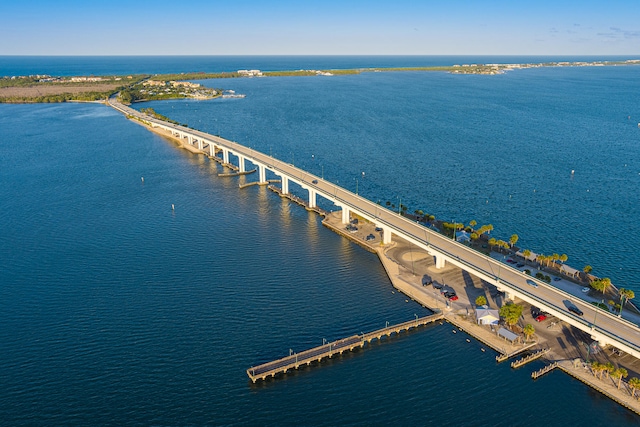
428 283
450 295
519 265
556 279
585 290
370 237
437 285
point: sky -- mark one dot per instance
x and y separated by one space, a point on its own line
310 27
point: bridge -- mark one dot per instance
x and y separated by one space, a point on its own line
602 326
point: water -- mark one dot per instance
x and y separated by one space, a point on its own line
117 309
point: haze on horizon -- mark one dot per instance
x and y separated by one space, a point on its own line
328 27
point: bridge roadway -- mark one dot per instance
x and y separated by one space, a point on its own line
602 326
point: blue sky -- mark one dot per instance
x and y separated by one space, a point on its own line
310 27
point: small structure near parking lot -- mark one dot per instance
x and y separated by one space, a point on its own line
487 316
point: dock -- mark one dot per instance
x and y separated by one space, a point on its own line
505 356
537 374
316 354
530 358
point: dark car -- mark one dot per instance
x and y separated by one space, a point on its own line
437 285
575 310
378 228
450 295
532 283
429 283
520 265
315 181
370 237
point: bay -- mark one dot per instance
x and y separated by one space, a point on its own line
118 310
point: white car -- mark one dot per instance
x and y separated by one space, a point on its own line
585 290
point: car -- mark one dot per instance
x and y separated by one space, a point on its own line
437 285
519 265
575 310
315 181
510 261
585 290
450 295
370 237
556 279
532 283
427 283
378 228
540 317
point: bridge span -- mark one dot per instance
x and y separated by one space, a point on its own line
602 326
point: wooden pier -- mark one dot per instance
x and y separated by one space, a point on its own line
537 374
530 358
505 356
295 360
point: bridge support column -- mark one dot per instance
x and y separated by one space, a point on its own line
386 236
509 296
262 171
285 185
225 156
190 139
212 149
200 144
312 198
440 261
240 163
345 215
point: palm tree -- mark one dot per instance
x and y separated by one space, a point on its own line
596 368
609 368
492 242
625 295
587 269
513 239
601 285
563 258
634 383
472 223
529 330
620 374
526 253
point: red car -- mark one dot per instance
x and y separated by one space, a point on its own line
540 317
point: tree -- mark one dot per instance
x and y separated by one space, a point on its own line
526 254
513 239
609 368
619 374
587 269
481 300
596 368
511 313
634 383
529 330
563 258
472 223
601 285
492 242
625 295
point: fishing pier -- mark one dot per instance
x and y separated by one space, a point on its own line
295 360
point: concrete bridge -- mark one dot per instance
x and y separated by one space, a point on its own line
602 326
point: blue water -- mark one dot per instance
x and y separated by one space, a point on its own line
117 310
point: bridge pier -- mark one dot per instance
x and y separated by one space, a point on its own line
312 198
346 215
284 184
241 163
200 144
386 234
262 172
212 149
440 261
225 156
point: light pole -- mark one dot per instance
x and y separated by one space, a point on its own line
356 186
